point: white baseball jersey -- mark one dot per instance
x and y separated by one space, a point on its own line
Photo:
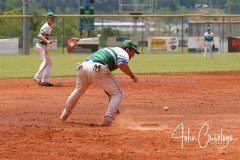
44 70
208 36
45 30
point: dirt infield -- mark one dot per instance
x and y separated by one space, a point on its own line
204 113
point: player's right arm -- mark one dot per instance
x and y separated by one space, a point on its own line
125 68
204 36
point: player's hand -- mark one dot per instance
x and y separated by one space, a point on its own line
51 41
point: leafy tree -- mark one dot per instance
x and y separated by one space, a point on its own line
11 27
7 5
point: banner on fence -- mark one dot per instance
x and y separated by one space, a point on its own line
9 46
49 46
163 44
196 44
115 41
77 45
233 44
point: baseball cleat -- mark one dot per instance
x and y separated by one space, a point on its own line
64 116
38 80
46 84
107 121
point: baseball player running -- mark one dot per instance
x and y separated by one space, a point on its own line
97 68
42 75
208 42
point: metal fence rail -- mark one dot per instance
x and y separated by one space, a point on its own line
137 26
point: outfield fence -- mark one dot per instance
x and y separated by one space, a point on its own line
111 29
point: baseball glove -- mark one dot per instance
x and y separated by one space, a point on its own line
213 46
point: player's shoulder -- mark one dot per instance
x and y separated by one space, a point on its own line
45 26
119 50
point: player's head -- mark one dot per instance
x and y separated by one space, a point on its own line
208 29
50 17
130 47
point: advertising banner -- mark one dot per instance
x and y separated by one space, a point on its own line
76 45
163 44
196 44
233 44
9 46
115 41
49 46
172 44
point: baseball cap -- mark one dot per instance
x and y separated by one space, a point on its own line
208 28
130 44
50 14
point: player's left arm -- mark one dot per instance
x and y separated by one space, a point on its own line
122 63
126 69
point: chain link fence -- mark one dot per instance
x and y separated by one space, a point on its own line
138 27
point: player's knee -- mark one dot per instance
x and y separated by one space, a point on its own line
118 94
44 62
48 63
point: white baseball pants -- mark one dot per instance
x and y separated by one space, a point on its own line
208 47
46 65
85 76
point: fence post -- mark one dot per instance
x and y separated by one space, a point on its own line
142 35
63 35
230 23
25 28
182 34
8 27
223 42
102 38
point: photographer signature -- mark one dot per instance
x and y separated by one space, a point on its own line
203 138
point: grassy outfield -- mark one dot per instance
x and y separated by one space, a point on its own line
19 66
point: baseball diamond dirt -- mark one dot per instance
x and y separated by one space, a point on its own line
202 123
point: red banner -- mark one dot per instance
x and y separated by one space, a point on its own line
71 43
233 44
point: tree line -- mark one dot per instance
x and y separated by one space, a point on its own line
12 27
112 6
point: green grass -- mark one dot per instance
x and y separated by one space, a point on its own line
19 66
185 63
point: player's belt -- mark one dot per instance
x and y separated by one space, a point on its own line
95 61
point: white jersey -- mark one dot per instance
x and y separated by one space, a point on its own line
208 36
45 30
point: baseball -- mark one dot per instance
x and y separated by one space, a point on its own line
165 108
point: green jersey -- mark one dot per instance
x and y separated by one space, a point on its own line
110 56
